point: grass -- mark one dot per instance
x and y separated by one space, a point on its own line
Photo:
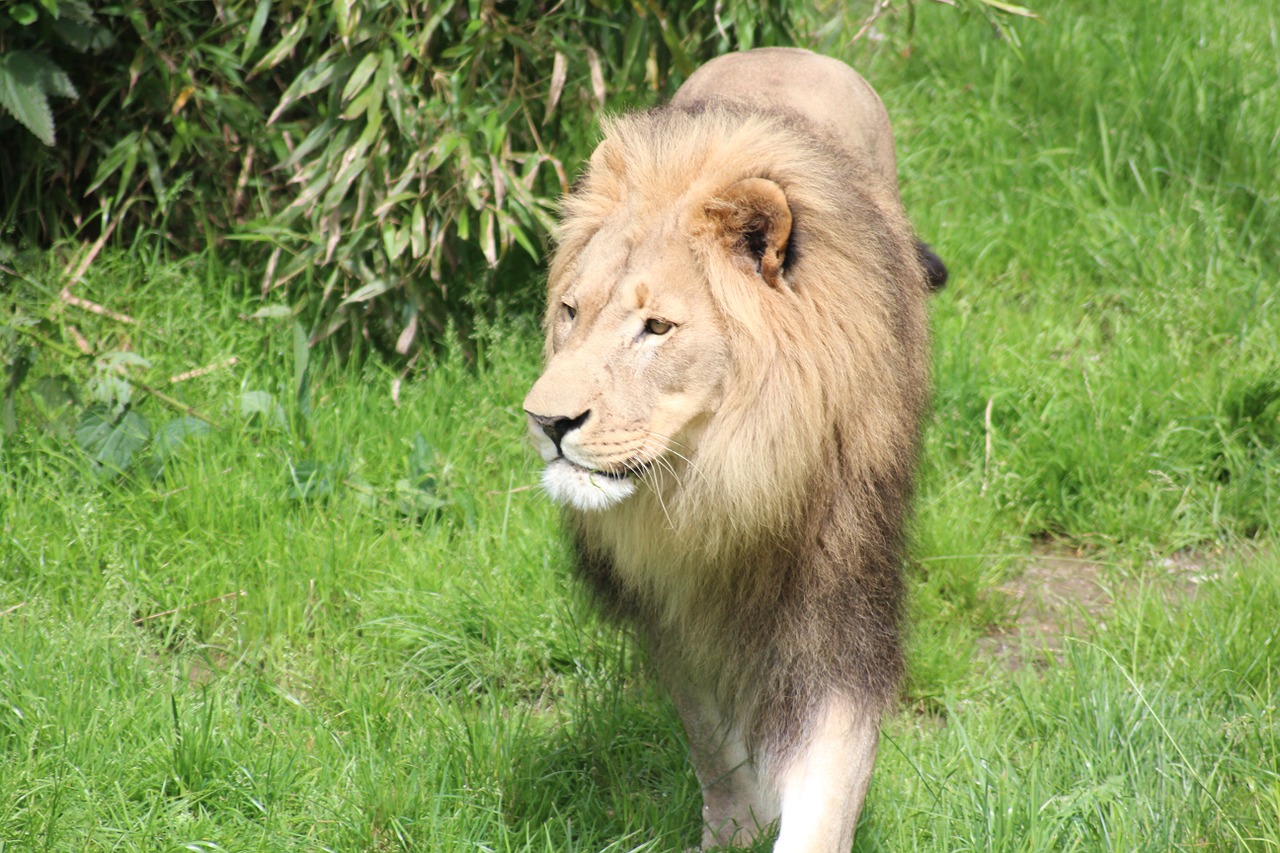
345 623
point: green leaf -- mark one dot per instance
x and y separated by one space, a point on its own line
312 79
122 158
260 15
25 14
417 500
301 369
418 231
308 479
171 434
1011 9
27 80
84 36
110 441
17 373
261 406
377 287
360 76
283 49
423 461
272 312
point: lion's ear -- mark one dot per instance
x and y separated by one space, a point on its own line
754 220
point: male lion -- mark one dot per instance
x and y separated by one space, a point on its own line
737 366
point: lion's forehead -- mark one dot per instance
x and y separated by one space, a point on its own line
630 269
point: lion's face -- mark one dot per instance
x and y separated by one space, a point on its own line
637 363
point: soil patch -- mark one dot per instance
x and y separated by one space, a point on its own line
1062 595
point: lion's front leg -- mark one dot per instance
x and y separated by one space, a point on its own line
735 806
824 782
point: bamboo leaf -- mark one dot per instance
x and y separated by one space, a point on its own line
260 16
418 231
377 287
360 76
597 76
283 49
559 71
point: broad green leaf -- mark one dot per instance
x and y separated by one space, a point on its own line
122 358
415 501
262 407
110 441
24 96
54 394
84 36
25 14
171 434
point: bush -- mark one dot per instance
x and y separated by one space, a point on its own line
384 156
377 160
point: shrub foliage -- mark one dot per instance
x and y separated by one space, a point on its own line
384 156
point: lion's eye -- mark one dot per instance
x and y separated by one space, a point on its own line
569 310
657 327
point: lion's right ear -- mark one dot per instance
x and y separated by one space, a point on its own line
754 221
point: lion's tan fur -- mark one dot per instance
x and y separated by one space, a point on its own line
760 555
761 458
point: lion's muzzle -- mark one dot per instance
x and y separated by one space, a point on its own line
566 479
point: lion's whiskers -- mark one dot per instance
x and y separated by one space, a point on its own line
671 445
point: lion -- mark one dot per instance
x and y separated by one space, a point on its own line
736 371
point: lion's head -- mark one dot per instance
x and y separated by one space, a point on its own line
720 306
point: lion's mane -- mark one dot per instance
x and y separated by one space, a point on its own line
791 502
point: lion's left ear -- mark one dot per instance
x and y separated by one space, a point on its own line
754 221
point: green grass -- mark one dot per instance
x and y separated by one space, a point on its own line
408 666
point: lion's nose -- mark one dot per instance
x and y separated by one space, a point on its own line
556 427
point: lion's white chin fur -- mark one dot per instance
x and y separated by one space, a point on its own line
587 491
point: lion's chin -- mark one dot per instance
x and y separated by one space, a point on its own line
584 490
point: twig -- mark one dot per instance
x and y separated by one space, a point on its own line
228 596
87 258
63 349
880 7
85 305
18 606
81 343
202 371
171 402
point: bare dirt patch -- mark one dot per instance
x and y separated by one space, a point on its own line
1062 595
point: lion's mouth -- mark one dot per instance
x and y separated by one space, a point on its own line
622 472
586 489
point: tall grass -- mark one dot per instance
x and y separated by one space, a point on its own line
346 624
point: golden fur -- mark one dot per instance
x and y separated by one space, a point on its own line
736 373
